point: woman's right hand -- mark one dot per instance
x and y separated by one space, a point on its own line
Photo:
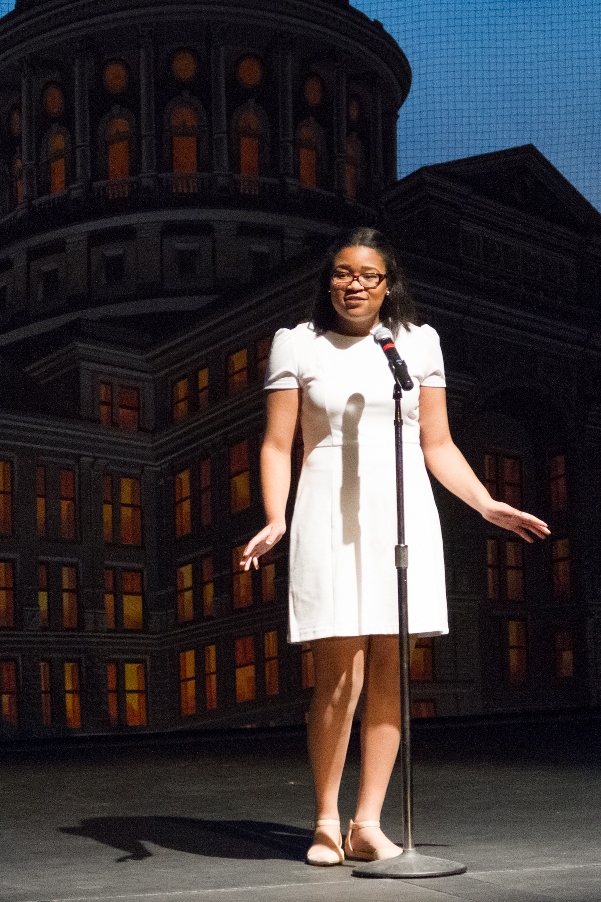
269 536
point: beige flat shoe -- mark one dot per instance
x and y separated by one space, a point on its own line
372 854
321 854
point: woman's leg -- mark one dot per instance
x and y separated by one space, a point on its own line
380 735
339 666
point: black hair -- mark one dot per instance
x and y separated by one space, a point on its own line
398 308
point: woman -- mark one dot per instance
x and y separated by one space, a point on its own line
343 581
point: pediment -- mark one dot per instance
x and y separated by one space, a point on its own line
522 178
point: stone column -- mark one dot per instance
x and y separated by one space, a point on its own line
340 131
148 161
220 142
377 141
28 132
286 111
83 168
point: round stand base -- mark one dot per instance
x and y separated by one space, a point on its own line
410 864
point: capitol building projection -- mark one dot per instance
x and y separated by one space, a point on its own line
170 174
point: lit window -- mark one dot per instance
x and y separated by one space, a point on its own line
115 77
564 654
421 709
109 598
184 137
7 594
202 382
72 694
422 659
262 349
517 652
185 593
45 693
126 694
179 400
561 567
503 478
43 596
118 137
242 581
129 408
505 570
112 694
205 492
208 587
131 511
558 485
57 162
133 600
250 71
245 669
40 501
307 155
183 517
183 65
69 596
8 685
54 101
313 90
353 166
272 684
67 504
135 695
187 683
250 134
268 577
237 371
307 666
106 404
107 508
6 492
239 477
210 677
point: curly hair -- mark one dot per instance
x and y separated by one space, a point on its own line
398 308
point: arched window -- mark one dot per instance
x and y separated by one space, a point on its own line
310 153
55 156
251 138
184 140
18 181
118 140
354 165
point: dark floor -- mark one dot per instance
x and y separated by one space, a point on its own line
228 818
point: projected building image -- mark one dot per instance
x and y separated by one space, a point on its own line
171 174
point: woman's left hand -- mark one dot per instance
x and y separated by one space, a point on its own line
525 525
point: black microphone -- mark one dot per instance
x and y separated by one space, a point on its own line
398 367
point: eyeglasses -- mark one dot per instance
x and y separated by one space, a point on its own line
342 278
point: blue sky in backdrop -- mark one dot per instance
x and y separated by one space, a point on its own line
491 74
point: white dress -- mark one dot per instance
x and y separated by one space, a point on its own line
343 579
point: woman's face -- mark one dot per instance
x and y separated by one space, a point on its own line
357 308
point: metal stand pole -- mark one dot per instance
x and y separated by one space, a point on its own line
410 863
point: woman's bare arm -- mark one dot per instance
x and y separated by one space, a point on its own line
282 417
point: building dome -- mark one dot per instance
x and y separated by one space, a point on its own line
177 132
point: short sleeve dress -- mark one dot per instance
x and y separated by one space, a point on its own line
343 579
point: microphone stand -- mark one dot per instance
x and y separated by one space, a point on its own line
410 863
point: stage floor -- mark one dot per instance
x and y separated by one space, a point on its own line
228 818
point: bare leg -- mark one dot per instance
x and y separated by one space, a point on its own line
380 734
339 665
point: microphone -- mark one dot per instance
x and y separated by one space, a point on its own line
398 367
